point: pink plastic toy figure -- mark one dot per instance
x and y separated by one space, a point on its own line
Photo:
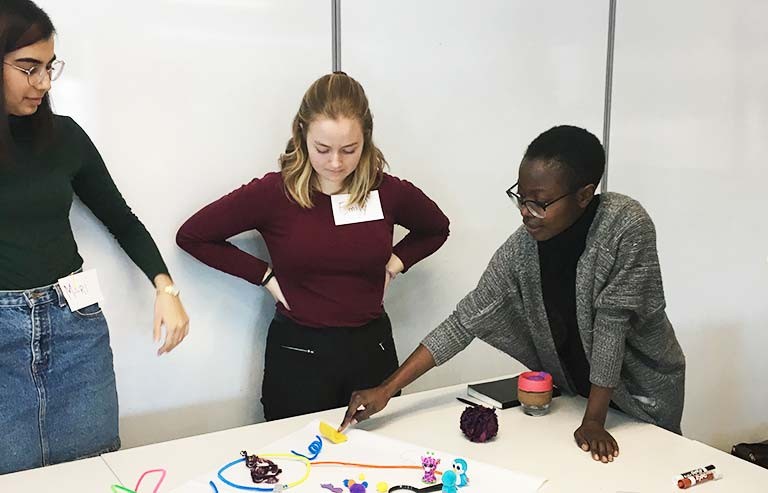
429 463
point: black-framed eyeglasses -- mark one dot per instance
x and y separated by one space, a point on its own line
36 74
535 207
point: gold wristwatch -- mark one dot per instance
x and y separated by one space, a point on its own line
170 289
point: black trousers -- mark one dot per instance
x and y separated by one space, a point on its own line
308 370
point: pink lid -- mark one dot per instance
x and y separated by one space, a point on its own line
535 381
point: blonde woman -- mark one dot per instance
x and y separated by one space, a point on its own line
327 219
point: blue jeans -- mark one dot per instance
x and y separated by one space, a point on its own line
58 400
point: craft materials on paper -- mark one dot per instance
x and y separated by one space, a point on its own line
116 488
429 462
365 463
332 488
331 433
262 470
460 466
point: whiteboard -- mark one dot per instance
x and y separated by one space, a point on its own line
688 139
458 90
188 99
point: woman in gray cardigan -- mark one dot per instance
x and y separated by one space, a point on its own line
576 291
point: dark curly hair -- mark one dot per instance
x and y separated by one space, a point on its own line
575 150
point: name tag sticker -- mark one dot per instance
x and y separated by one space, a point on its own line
81 290
343 213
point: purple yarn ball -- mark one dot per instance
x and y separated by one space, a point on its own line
357 488
479 423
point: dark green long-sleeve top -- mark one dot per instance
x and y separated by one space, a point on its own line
37 246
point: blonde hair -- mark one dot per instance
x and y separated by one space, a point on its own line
332 96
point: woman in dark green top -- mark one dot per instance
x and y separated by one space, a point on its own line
58 399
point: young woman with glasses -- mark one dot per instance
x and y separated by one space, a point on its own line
58 399
576 291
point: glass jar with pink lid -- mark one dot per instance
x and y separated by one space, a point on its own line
534 390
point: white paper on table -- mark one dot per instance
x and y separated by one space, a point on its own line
361 447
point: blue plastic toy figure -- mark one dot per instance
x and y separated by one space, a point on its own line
449 482
460 466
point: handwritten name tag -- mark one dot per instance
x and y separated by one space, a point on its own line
344 213
81 290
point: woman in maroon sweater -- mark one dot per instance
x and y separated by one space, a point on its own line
327 219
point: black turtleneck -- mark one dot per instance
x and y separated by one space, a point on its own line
558 258
37 185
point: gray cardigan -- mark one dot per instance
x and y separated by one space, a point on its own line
628 340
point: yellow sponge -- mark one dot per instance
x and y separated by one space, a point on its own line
331 434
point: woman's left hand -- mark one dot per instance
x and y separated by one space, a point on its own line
393 268
592 437
169 312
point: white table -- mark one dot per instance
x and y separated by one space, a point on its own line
650 457
83 476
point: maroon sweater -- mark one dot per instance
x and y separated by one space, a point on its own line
331 276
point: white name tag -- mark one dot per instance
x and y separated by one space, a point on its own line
81 289
344 213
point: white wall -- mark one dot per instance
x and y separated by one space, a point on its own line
187 99
458 90
690 141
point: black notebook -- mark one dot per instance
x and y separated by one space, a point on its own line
500 394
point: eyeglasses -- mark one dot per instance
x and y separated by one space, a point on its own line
535 207
36 75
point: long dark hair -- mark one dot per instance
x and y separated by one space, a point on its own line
23 23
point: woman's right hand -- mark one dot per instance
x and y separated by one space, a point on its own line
365 403
273 286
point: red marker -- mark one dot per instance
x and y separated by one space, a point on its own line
697 478
703 469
